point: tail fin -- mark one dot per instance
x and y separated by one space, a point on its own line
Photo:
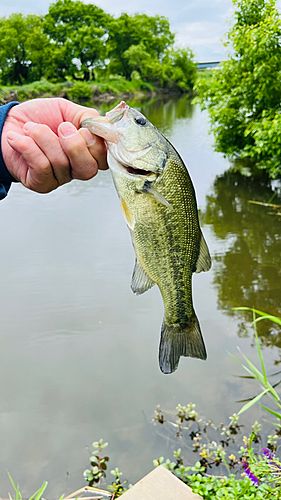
179 341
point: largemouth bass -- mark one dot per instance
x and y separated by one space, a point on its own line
159 204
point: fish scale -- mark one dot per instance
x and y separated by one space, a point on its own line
172 235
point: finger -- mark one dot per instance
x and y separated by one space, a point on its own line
96 146
83 165
75 113
49 143
39 175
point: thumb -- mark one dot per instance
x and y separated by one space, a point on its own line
67 130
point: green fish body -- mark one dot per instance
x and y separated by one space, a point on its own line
159 204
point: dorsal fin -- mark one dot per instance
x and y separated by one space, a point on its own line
204 259
140 281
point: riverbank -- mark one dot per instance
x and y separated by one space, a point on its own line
84 92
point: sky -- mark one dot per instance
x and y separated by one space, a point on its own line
198 24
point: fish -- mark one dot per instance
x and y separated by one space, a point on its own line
159 204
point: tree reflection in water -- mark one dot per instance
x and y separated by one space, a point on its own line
247 273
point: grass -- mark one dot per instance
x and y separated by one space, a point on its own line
38 495
260 374
78 91
76 495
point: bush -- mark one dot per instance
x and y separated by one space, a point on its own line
80 91
243 96
40 88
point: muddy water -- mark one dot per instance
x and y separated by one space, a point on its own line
78 351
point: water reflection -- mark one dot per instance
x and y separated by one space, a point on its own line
161 112
164 114
247 273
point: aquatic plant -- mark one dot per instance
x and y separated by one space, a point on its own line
218 448
260 375
38 495
98 471
98 464
261 466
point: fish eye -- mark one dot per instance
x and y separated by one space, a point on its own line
140 120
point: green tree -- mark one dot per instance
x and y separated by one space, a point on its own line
139 35
175 70
179 69
79 41
78 33
138 59
24 48
243 96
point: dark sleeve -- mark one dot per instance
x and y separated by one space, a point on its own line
5 177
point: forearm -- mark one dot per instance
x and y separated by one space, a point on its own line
5 177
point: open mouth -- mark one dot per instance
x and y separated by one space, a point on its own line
137 171
116 163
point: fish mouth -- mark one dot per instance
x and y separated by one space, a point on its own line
117 113
138 171
122 161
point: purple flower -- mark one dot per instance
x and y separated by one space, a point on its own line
267 453
270 455
249 473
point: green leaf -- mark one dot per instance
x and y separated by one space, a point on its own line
273 319
262 314
260 355
38 494
252 402
272 412
254 371
15 488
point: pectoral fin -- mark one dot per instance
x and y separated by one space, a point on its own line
147 188
140 281
204 259
129 217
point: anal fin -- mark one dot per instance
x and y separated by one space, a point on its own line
204 259
140 281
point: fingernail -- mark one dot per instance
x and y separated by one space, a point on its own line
66 129
29 126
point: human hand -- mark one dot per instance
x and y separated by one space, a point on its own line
43 148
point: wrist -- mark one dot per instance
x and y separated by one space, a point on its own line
6 176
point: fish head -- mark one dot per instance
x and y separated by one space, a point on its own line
135 147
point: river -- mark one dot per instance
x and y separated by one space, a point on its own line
79 352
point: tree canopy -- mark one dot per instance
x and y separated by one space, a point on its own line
81 41
243 96
78 33
140 34
23 48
